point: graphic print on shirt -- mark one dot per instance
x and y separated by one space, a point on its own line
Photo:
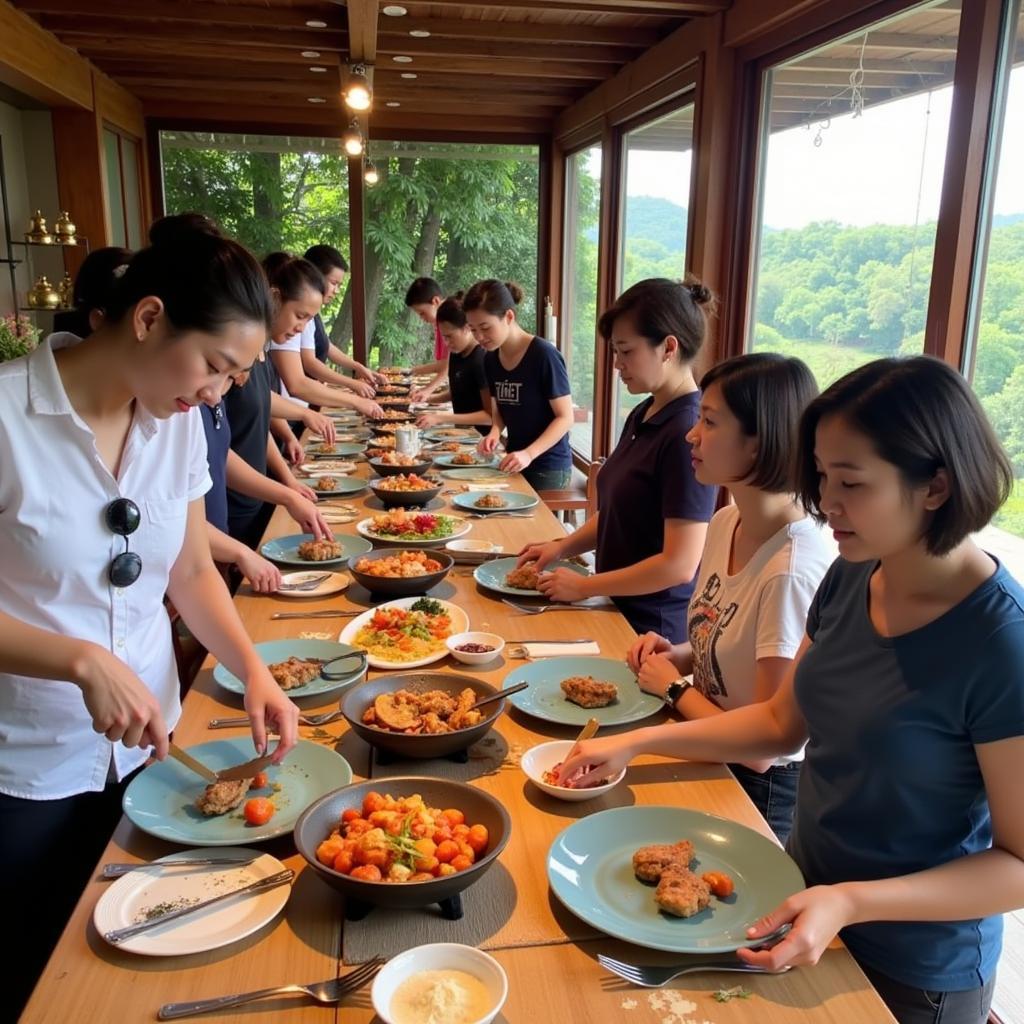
507 391
708 621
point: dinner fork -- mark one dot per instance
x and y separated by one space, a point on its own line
655 977
326 992
536 609
311 584
322 718
498 515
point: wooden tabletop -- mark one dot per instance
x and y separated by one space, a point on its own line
562 982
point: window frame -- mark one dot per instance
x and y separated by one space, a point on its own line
124 137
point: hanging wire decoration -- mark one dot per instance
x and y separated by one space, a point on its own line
855 91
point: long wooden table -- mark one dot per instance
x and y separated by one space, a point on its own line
86 979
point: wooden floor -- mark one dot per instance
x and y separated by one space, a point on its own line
1008 1004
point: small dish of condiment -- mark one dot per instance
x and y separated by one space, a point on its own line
475 648
440 983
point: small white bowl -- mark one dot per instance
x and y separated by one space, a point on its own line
543 758
473 547
440 956
468 657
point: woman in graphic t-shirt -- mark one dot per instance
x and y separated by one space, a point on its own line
529 388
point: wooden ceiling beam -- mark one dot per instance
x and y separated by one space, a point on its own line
104 51
263 72
127 34
178 10
362 30
637 8
472 65
388 45
324 85
813 65
521 31
385 76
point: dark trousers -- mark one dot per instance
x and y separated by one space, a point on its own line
48 850
773 793
918 1006
249 527
548 479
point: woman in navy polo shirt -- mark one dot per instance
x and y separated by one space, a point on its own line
654 513
529 388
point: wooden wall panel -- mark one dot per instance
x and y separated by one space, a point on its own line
118 106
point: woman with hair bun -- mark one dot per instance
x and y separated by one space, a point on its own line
529 388
467 380
653 515
102 475
94 285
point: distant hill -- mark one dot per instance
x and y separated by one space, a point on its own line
1004 220
654 220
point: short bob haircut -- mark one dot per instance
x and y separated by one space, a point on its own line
423 291
659 307
451 312
326 258
768 394
920 416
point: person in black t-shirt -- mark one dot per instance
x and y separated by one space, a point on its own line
529 388
467 382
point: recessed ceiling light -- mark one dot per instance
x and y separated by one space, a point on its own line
419 33
310 54
409 74
314 23
393 103
316 99
318 70
394 11
402 59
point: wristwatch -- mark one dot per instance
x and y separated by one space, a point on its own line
675 690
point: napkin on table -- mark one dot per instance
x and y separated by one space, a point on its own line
555 650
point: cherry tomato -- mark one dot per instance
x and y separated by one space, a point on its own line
373 801
460 863
329 849
721 884
343 861
350 814
259 781
478 838
454 817
446 851
366 873
259 810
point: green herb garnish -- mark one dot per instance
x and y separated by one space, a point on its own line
723 995
428 605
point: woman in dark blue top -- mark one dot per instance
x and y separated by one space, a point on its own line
908 689
654 515
529 388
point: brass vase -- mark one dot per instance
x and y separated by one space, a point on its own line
37 231
66 291
65 229
43 295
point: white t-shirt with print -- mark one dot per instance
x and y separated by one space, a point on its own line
296 343
759 612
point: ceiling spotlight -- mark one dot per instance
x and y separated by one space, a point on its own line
392 103
318 70
315 99
402 59
357 93
394 11
370 175
314 23
310 54
409 74
352 139
419 33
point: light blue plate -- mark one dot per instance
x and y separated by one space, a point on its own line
514 501
341 449
492 575
482 461
285 550
161 798
281 650
343 485
467 436
544 698
590 869
474 473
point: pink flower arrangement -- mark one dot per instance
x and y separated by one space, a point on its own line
18 336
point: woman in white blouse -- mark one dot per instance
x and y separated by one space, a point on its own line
102 475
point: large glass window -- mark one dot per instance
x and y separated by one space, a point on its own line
853 148
269 192
658 159
998 364
579 288
455 212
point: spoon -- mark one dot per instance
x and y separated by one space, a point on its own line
588 731
498 696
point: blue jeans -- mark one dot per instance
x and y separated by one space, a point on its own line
917 1006
773 793
548 479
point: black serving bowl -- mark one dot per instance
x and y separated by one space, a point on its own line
397 499
324 816
425 745
404 586
394 403
383 469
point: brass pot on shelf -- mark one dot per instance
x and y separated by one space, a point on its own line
65 229
37 230
43 295
66 292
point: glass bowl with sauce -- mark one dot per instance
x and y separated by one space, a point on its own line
475 648
442 982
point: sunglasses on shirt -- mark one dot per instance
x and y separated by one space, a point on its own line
122 517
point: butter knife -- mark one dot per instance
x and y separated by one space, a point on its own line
263 885
116 870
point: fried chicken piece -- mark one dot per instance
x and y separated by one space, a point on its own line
681 893
588 692
525 577
437 702
295 671
325 483
319 550
490 501
462 717
221 797
464 459
433 724
650 862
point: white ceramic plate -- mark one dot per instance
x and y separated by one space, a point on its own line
335 583
327 467
127 900
460 624
461 529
